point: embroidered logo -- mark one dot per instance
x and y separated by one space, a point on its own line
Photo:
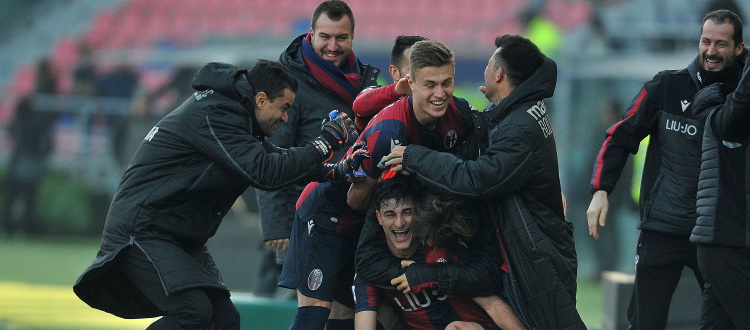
310 225
201 94
450 139
685 104
151 133
395 143
315 279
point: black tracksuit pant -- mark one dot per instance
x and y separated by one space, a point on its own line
660 259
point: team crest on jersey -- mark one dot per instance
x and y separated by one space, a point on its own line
450 139
315 279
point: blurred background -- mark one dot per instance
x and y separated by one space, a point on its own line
83 81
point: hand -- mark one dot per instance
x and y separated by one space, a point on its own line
401 283
597 212
281 243
346 169
338 130
406 263
402 86
395 159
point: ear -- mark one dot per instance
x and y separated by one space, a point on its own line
393 70
260 100
499 74
740 48
380 219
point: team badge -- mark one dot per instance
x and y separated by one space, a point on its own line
315 279
450 139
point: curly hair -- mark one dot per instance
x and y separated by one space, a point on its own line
439 219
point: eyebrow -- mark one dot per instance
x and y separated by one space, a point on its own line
346 34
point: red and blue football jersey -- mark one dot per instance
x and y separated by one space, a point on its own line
428 309
396 125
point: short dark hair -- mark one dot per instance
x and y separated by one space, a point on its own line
402 44
400 188
439 219
722 16
334 9
427 53
518 56
270 77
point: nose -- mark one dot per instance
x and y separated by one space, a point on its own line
400 222
711 49
332 45
439 91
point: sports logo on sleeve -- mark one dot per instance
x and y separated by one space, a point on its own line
151 133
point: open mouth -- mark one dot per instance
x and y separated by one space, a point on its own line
712 61
401 235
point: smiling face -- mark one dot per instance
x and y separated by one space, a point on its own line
432 91
270 113
717 49
333 40
395 217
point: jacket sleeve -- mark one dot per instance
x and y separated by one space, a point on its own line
623 137
222 138
479 275
276 210
374 263
503 168
371 101
731 120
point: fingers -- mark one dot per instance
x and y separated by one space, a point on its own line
281 243
406 263
596 218
396 162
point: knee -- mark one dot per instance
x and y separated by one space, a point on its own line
195 313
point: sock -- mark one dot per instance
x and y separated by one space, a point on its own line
340 324
310 317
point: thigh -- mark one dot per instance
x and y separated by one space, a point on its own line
319 263
141 272
659 262
727 273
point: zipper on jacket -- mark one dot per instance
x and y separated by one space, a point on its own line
523 220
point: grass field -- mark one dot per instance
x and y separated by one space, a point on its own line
36 278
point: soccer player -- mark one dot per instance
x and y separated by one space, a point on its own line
437 232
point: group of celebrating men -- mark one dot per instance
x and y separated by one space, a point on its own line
422 212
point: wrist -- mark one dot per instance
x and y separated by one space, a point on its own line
323 148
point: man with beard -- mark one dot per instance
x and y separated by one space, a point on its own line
330 76
183 179
663 110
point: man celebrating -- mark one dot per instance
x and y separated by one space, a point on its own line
437 232
330 76
518 175
431 117
663 110
183 179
